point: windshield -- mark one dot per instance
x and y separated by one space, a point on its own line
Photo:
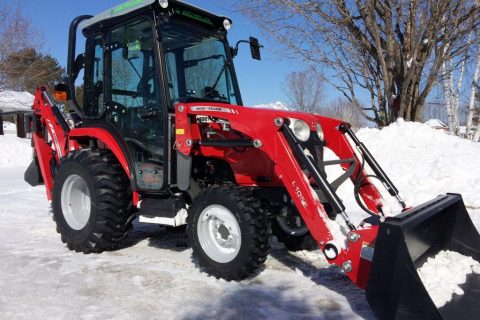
197 64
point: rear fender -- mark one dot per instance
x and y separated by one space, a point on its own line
106 138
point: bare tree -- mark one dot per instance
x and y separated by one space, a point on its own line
393 49
345 110
305 89
476 136
16 31
452 94
471 103
16 34
454 73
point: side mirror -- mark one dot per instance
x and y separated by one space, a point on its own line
61 93
255 48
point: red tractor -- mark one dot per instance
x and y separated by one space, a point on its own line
162 134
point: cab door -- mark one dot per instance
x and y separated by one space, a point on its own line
133 99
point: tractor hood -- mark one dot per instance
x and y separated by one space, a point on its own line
255 114
248 119
307 117
261 125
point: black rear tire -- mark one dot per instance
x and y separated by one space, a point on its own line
253 226
290 229
294 242
110 198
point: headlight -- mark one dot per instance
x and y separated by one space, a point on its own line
300 129
320 134
163 3
227 24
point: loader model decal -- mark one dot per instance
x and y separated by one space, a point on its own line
299 194
213 109
55 139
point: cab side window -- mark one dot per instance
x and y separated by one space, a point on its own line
94 78
132 90
133 74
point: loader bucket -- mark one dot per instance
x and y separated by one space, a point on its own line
404 243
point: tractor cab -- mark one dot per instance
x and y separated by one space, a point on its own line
141 59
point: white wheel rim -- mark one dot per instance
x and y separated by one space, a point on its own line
75 200
219 233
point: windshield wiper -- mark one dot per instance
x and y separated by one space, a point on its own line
194 62
225 64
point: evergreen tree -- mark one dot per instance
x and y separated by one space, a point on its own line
27 69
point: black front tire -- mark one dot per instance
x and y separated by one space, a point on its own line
253 225
111 207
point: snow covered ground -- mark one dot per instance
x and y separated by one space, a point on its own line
152 275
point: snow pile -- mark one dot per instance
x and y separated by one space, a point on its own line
275 105
425 162
436 124
13 101
422 163
14 152
443 275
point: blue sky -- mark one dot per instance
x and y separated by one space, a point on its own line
260 81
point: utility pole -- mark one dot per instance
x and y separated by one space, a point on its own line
1 123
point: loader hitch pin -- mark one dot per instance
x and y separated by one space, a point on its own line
353 237
279 122
330 251
257 143
347 266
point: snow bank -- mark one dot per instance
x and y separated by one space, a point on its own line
13 101
425 162
443 275
14 152
422 163
435 123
